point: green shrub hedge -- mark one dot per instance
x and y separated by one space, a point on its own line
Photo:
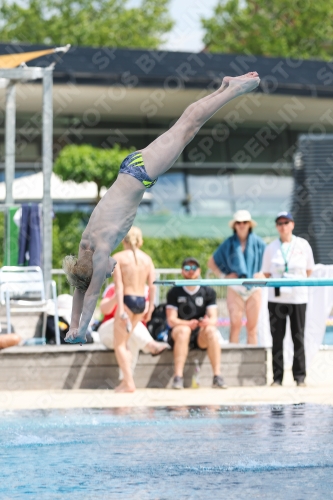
166 252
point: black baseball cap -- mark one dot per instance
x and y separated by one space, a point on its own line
190 260
284 215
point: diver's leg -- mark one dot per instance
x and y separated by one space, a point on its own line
162 153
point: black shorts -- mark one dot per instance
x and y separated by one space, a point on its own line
193 339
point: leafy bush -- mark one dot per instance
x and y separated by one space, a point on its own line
166 252
170 252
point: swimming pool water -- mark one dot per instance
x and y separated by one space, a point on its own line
267 452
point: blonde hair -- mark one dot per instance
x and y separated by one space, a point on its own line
79 271
134 239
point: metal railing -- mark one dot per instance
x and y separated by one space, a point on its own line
161 290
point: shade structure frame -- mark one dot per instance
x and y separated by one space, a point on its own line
268 282
14 76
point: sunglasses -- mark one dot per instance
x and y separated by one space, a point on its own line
242 222
285 223
193 267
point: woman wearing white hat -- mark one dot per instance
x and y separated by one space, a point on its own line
240 256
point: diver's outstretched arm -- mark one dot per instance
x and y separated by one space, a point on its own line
77 307
78 299
100 266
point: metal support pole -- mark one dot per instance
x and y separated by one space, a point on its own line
10 141
56 315
9 330
47 172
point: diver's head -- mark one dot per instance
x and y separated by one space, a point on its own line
79 271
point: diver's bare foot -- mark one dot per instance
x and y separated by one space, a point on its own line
242 85
125 387
73 337
156 348
227 80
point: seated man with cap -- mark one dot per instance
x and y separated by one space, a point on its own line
192 316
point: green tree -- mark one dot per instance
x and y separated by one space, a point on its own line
281 28
86 163
85 22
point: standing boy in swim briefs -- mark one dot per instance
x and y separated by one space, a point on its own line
134 270
114 214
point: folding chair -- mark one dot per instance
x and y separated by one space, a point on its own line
22 290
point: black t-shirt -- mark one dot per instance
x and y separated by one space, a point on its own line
191 306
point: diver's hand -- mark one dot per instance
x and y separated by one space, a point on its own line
73 337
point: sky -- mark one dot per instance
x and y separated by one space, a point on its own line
187 33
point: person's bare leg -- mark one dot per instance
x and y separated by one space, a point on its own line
162 153
252 309
155 348
208 339
134 318
142 340
181 336
9 340
123 356
235 305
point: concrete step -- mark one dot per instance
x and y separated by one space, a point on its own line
94 367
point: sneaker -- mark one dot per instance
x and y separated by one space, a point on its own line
276 383
300 383
178 382
218 382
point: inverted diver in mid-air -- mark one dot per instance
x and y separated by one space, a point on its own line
114 214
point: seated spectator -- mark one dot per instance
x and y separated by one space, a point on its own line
240 256
140 340
192 316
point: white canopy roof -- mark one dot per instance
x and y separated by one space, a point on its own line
30 188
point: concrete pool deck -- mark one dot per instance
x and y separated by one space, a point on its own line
85 398
319 390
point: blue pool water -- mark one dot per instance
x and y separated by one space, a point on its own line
266 452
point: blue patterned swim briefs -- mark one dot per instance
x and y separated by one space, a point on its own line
133 165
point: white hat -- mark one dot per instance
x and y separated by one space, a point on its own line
65 302
242 216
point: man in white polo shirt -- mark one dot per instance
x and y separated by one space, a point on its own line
289 256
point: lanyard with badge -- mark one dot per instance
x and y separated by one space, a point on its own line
286 255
